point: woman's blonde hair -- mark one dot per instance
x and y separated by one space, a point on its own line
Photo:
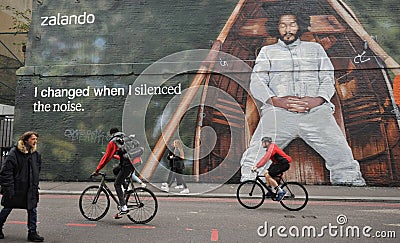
179 146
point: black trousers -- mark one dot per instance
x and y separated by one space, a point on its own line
176 173
119 180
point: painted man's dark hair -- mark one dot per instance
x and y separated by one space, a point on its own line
274 11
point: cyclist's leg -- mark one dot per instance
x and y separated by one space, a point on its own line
269 179
119 180
274 170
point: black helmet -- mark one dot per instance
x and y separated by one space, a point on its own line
268 139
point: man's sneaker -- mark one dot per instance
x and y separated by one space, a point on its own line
120 214
1 233
164 184
268 195
34 237
185 191
179 187
129 188
143 185
280 196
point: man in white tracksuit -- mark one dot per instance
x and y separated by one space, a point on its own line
294 80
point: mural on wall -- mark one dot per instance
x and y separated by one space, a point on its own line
85 74
365 107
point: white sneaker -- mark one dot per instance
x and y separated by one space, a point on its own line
165 188
185 191
179 187
120 214
143 185
164 184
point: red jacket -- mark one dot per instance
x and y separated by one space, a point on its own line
275 154
112 148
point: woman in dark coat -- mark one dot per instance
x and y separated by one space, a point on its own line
19 180
176 161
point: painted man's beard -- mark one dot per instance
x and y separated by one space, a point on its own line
288 42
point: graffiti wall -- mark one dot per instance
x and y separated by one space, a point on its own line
206 72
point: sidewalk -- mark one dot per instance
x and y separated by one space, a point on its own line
208 190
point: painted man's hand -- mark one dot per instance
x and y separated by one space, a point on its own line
296 104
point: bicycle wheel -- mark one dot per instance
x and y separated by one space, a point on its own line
250 194
142 205
296 197
94 203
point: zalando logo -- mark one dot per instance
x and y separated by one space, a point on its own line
60 19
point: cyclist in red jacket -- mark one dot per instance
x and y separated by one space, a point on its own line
280 163
124 163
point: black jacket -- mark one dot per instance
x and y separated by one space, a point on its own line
19 178
175 161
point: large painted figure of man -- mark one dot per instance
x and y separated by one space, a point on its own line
294 80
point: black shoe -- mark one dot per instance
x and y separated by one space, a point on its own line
34 237
1 233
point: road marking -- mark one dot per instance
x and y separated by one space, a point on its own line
81 225
390 211
396 225
16 222
138 227
214 235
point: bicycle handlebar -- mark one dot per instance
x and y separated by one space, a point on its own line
100 173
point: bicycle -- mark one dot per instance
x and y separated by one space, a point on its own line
251 193
94 202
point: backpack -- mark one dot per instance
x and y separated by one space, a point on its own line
129 146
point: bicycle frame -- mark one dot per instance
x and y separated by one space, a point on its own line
103 184
107 189
137 199
258 179
280 181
